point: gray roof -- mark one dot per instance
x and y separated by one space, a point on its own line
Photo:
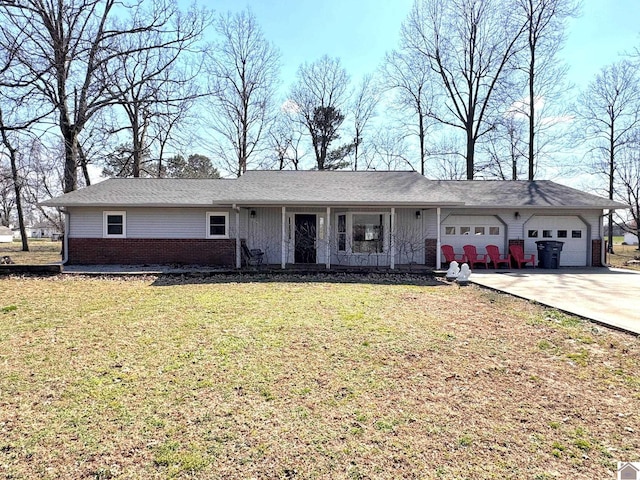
328 188
5 231
521 194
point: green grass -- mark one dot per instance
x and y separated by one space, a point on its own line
234 378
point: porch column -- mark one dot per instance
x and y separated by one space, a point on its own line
283 263
393 238
238 246
438 242
328 237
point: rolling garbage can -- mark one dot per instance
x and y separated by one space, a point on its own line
549 253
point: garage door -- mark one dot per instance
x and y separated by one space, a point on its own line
568 229
478 230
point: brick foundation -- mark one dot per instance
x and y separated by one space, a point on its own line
430 250
596 253
139 251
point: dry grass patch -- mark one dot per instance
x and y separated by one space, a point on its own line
148 378
41 252
623 254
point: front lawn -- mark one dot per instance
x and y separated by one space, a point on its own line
239 377
41 252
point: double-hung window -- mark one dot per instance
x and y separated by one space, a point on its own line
217 225
114 224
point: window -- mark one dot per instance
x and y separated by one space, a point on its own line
547 234
494 230
115 224
367 233
217 225
449 230
465 230
342 233
576 233
478 231
532 234
562 234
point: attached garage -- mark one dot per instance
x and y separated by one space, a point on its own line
478 230
570 229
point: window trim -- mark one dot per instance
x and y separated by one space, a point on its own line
105 225
348 233
226 224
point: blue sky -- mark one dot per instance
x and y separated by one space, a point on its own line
359 32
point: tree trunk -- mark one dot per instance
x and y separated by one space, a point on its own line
421 136
83 164
70 159
18 193
532 130
470 153
611 173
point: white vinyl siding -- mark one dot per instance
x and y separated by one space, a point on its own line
150 222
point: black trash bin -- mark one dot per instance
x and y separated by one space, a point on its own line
549 253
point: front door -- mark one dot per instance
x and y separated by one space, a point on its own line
305 250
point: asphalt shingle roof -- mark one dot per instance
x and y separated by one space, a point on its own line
324 188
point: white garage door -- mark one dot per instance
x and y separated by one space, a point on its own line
568 229
478 230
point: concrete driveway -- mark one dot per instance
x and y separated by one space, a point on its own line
606 295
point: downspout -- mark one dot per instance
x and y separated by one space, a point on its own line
603 254
65 237
438 241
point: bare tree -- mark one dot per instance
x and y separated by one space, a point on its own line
506 148
66 47
365 100
627 181
608 113
407 74
152 78
469 45
319 95
243 75
390 149
545 22
285 140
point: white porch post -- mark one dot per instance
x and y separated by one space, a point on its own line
328 238
438 258
238 246
393 238
284 233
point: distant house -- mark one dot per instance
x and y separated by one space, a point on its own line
6 235
631 238
43 230
324 217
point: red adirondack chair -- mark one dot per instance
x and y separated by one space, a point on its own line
496 258
450 255
517 253
472 256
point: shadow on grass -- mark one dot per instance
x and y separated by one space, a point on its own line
418 279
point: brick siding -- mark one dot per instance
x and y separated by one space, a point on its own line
430 250
596 253
140 251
